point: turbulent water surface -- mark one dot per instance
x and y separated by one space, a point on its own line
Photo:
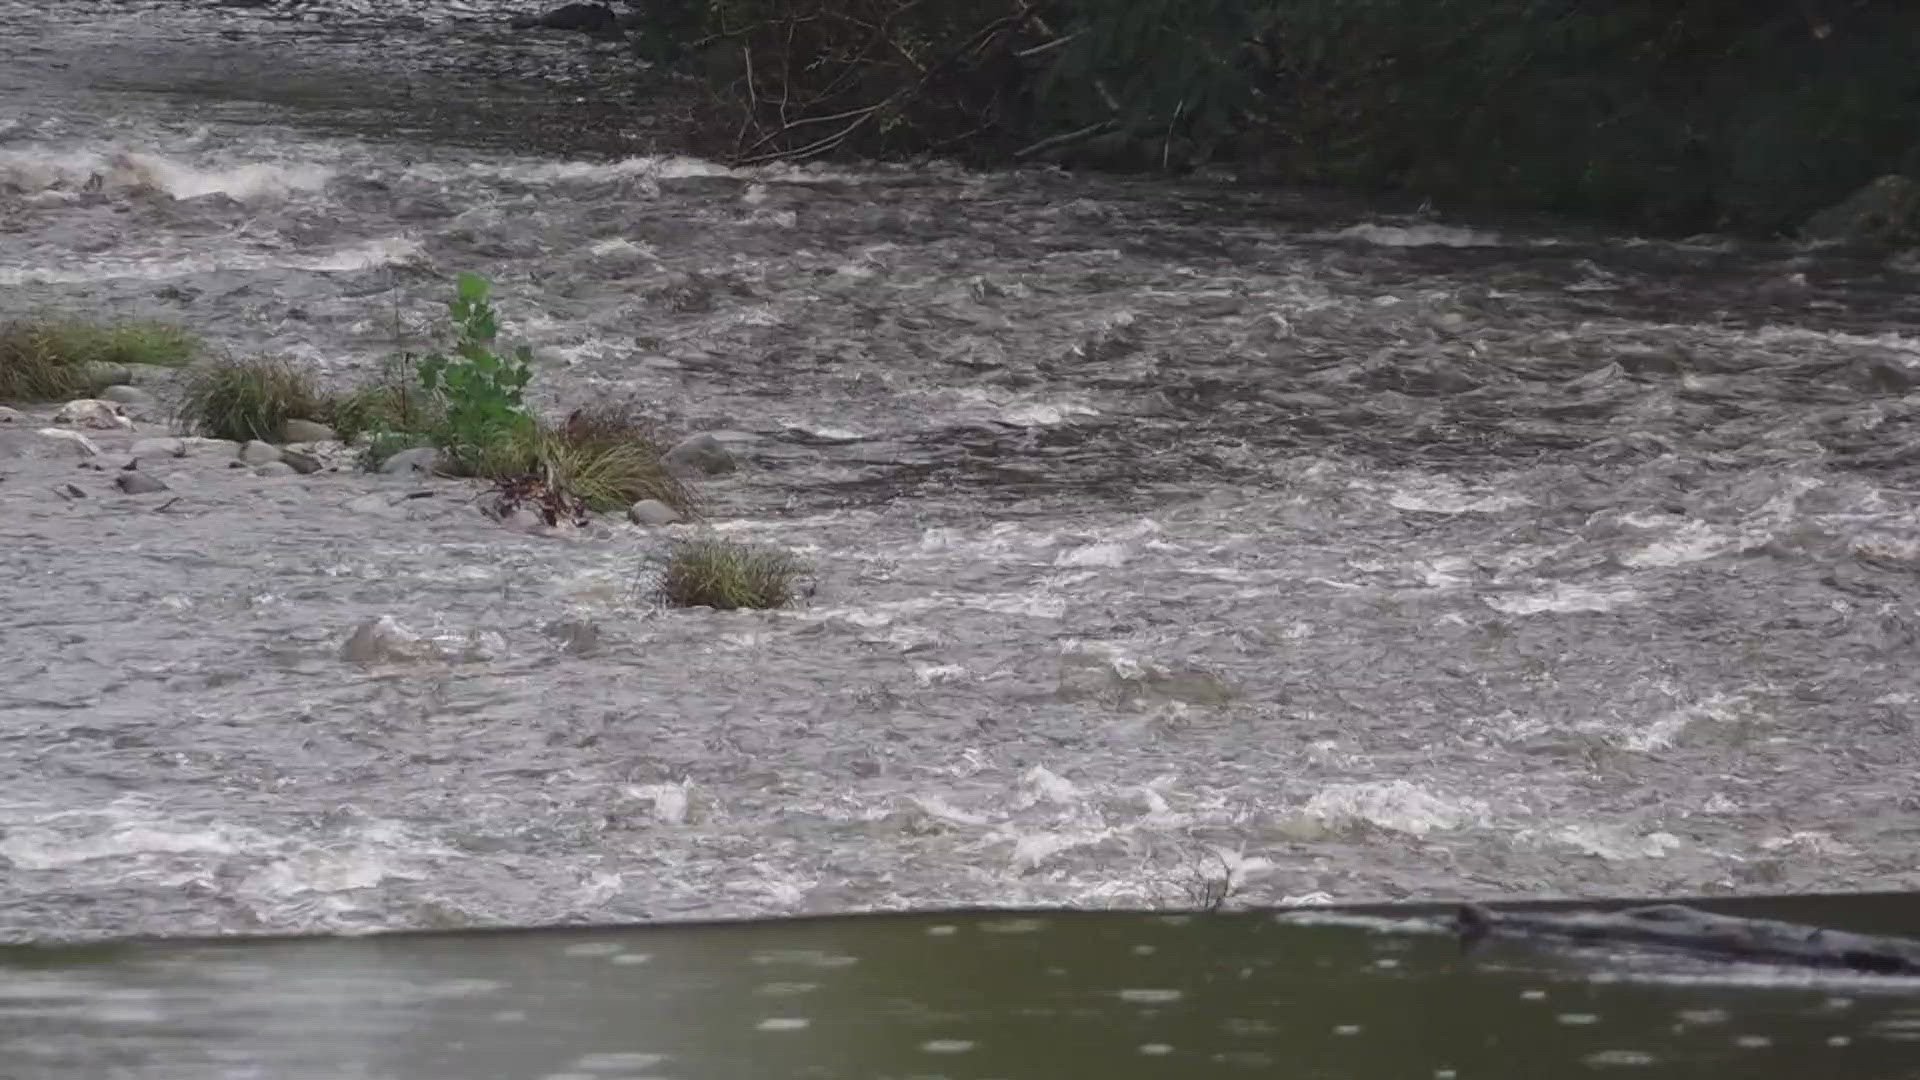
1169 539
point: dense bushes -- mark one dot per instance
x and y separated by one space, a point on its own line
1671 115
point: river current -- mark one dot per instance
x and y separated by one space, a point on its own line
1171 540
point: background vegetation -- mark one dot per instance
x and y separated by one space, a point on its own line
1668 115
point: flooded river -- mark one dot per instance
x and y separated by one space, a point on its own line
1173 542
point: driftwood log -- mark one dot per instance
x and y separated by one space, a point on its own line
1701 933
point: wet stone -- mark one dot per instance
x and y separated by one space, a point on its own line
138 483
424 459
274 468
259 453
93 413
305 431
300 462
699 455
652 512
10 415
126 395
159 448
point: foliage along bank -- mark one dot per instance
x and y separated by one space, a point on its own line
1666 115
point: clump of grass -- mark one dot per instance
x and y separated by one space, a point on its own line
250 399
728 575
48 358
610 456
389 410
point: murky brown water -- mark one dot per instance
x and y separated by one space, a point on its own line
1010 994
1169 537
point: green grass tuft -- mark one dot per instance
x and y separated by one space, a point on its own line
250 399
728 575
610 456
51 358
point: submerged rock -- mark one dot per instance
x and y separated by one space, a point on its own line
698 455
93 413
583 18
138 483
301 431
259 453
50 442
382 638
1886 211
300 462
652 512
421 459
126 395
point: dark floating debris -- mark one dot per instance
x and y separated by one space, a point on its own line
1678 927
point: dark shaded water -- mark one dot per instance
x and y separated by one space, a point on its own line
1337 995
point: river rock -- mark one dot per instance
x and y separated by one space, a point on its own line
382 639
19 445
421 459
10 415
584 18
652 512
93 413
256 452
274 468
106 373
300 461
125 395
159 448
55 442
302 431
699 455
138 483
1886 211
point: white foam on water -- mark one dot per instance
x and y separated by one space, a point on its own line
1415 235
1445 499
1395 805
36 169
1661 732
1564 598
363 255
1615 843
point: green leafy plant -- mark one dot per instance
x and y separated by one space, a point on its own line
728 575
482 389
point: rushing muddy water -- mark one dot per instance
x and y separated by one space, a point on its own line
1170 539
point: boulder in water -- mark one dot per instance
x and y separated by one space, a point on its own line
93 413
584 18
1886 211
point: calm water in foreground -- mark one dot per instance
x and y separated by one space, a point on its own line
951 996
